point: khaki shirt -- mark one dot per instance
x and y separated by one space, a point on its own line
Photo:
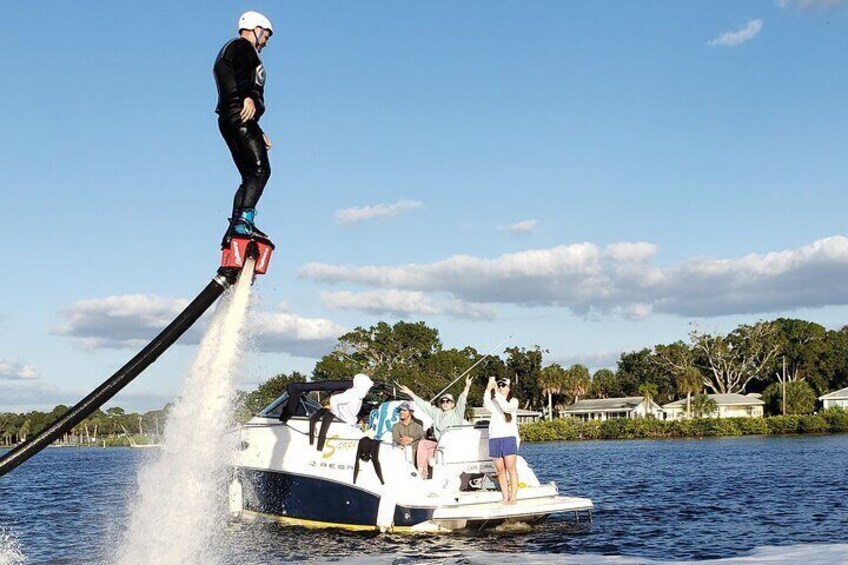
413 430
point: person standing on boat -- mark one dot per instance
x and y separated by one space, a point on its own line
346 406
503 435
240 79
407 431
449 413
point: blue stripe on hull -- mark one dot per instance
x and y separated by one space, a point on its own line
310 498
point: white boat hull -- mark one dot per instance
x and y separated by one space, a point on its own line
278 475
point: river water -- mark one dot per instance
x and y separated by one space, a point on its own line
736 500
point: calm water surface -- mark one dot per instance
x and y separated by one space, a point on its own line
659 500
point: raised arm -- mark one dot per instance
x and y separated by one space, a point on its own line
425 406
462 401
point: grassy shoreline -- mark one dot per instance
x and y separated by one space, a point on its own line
834 420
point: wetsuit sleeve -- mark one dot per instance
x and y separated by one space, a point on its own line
244 66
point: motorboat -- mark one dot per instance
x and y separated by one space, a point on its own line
298 465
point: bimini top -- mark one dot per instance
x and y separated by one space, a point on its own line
289 404
295 402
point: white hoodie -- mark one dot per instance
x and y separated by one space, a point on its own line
346 405
499 407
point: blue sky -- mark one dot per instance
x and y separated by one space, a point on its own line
589 177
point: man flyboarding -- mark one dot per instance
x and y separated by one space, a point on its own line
240 78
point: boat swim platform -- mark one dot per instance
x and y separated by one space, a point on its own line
531 508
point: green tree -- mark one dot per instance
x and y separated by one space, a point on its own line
800 398
577 381
643 366
689 381
525 366
605 384
382 351
117 419
803 351
648 391
552 381
24 430
248 405
835 361
703 406
339 365
731 361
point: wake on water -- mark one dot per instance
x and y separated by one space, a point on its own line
10 548
178 508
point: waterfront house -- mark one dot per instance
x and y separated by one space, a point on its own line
612 408
729 406
836 398
524 416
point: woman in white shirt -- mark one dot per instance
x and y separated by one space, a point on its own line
503 435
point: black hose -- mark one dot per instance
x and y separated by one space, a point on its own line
123 376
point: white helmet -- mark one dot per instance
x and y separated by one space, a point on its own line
251 20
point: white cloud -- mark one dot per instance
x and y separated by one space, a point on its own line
286 332
806 4
622 281
353 216
131 321
117 322
627 252
523 227
26 395
593 360
13 370
401 303
734 38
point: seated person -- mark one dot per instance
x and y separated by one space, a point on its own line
346 406
407 431
449 413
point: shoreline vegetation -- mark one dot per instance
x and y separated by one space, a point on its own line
832 420
787 363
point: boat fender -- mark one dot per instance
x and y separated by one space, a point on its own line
326 418
386 509
368 450
236 494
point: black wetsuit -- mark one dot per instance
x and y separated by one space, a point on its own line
239 74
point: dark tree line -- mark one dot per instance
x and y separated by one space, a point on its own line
114 422
760 358
804 357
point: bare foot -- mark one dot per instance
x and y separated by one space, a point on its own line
511 502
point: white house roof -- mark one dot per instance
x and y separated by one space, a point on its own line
731 399
601 404
840 394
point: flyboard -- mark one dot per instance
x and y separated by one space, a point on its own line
239 252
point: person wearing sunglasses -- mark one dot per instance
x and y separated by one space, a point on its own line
503 435
240 78
447 413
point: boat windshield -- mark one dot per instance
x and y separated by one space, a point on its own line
306 407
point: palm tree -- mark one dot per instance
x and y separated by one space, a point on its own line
703 405
578 381
552 380
648 392
689 382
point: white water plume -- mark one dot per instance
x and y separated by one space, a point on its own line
178 511
10 548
